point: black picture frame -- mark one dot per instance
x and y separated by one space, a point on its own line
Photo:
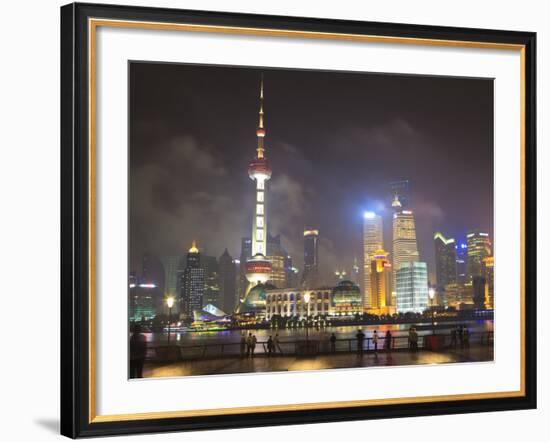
75 221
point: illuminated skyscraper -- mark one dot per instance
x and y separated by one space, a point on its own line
192 283
380 284
479 247
211 293
258 267
445 260
412 287
310 276
405 249
372 241
278 258
461 257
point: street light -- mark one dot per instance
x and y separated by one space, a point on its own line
307 297
431 294
170 304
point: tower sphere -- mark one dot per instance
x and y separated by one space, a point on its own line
259 169
258 269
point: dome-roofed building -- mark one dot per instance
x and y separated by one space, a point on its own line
254 302
347 299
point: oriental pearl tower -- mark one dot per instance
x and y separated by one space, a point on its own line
258 267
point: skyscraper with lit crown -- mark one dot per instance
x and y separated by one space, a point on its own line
405 249
192 284
372 242
258 267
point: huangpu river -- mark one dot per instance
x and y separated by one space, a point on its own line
185 338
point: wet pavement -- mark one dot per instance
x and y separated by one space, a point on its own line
262 363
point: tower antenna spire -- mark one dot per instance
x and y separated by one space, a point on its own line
260 132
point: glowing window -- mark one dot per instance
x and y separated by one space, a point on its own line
259 221
259 234
260 185
260 209
260 197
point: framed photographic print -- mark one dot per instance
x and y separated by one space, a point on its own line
280 220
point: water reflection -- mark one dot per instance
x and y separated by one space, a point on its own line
342 332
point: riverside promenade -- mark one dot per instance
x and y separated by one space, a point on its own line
478 350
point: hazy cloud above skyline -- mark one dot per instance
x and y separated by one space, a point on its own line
334 142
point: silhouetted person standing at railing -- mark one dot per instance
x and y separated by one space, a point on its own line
333 343
249 344
453 338
243 345
413 339
253 345
360 341
387 341
375 341
270 346
460 332
138 351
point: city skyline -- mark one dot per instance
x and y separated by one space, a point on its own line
294 203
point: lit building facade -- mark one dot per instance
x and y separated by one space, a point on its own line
412 287
192 284
460 296
310 275
372 241
445 260
380 289
405 249
343 300
479 247
291 303
489 276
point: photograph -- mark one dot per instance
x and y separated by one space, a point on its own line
297 219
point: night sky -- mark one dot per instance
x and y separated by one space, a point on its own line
334 141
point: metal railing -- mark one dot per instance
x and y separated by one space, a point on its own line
165 351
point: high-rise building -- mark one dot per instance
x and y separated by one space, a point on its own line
479 247
258 267
141 299
401 193
211 293
278 257
405 249
372 242
461 257
412 287
192 284
489 276
310 275
459 296
380 284
227 277
445 260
